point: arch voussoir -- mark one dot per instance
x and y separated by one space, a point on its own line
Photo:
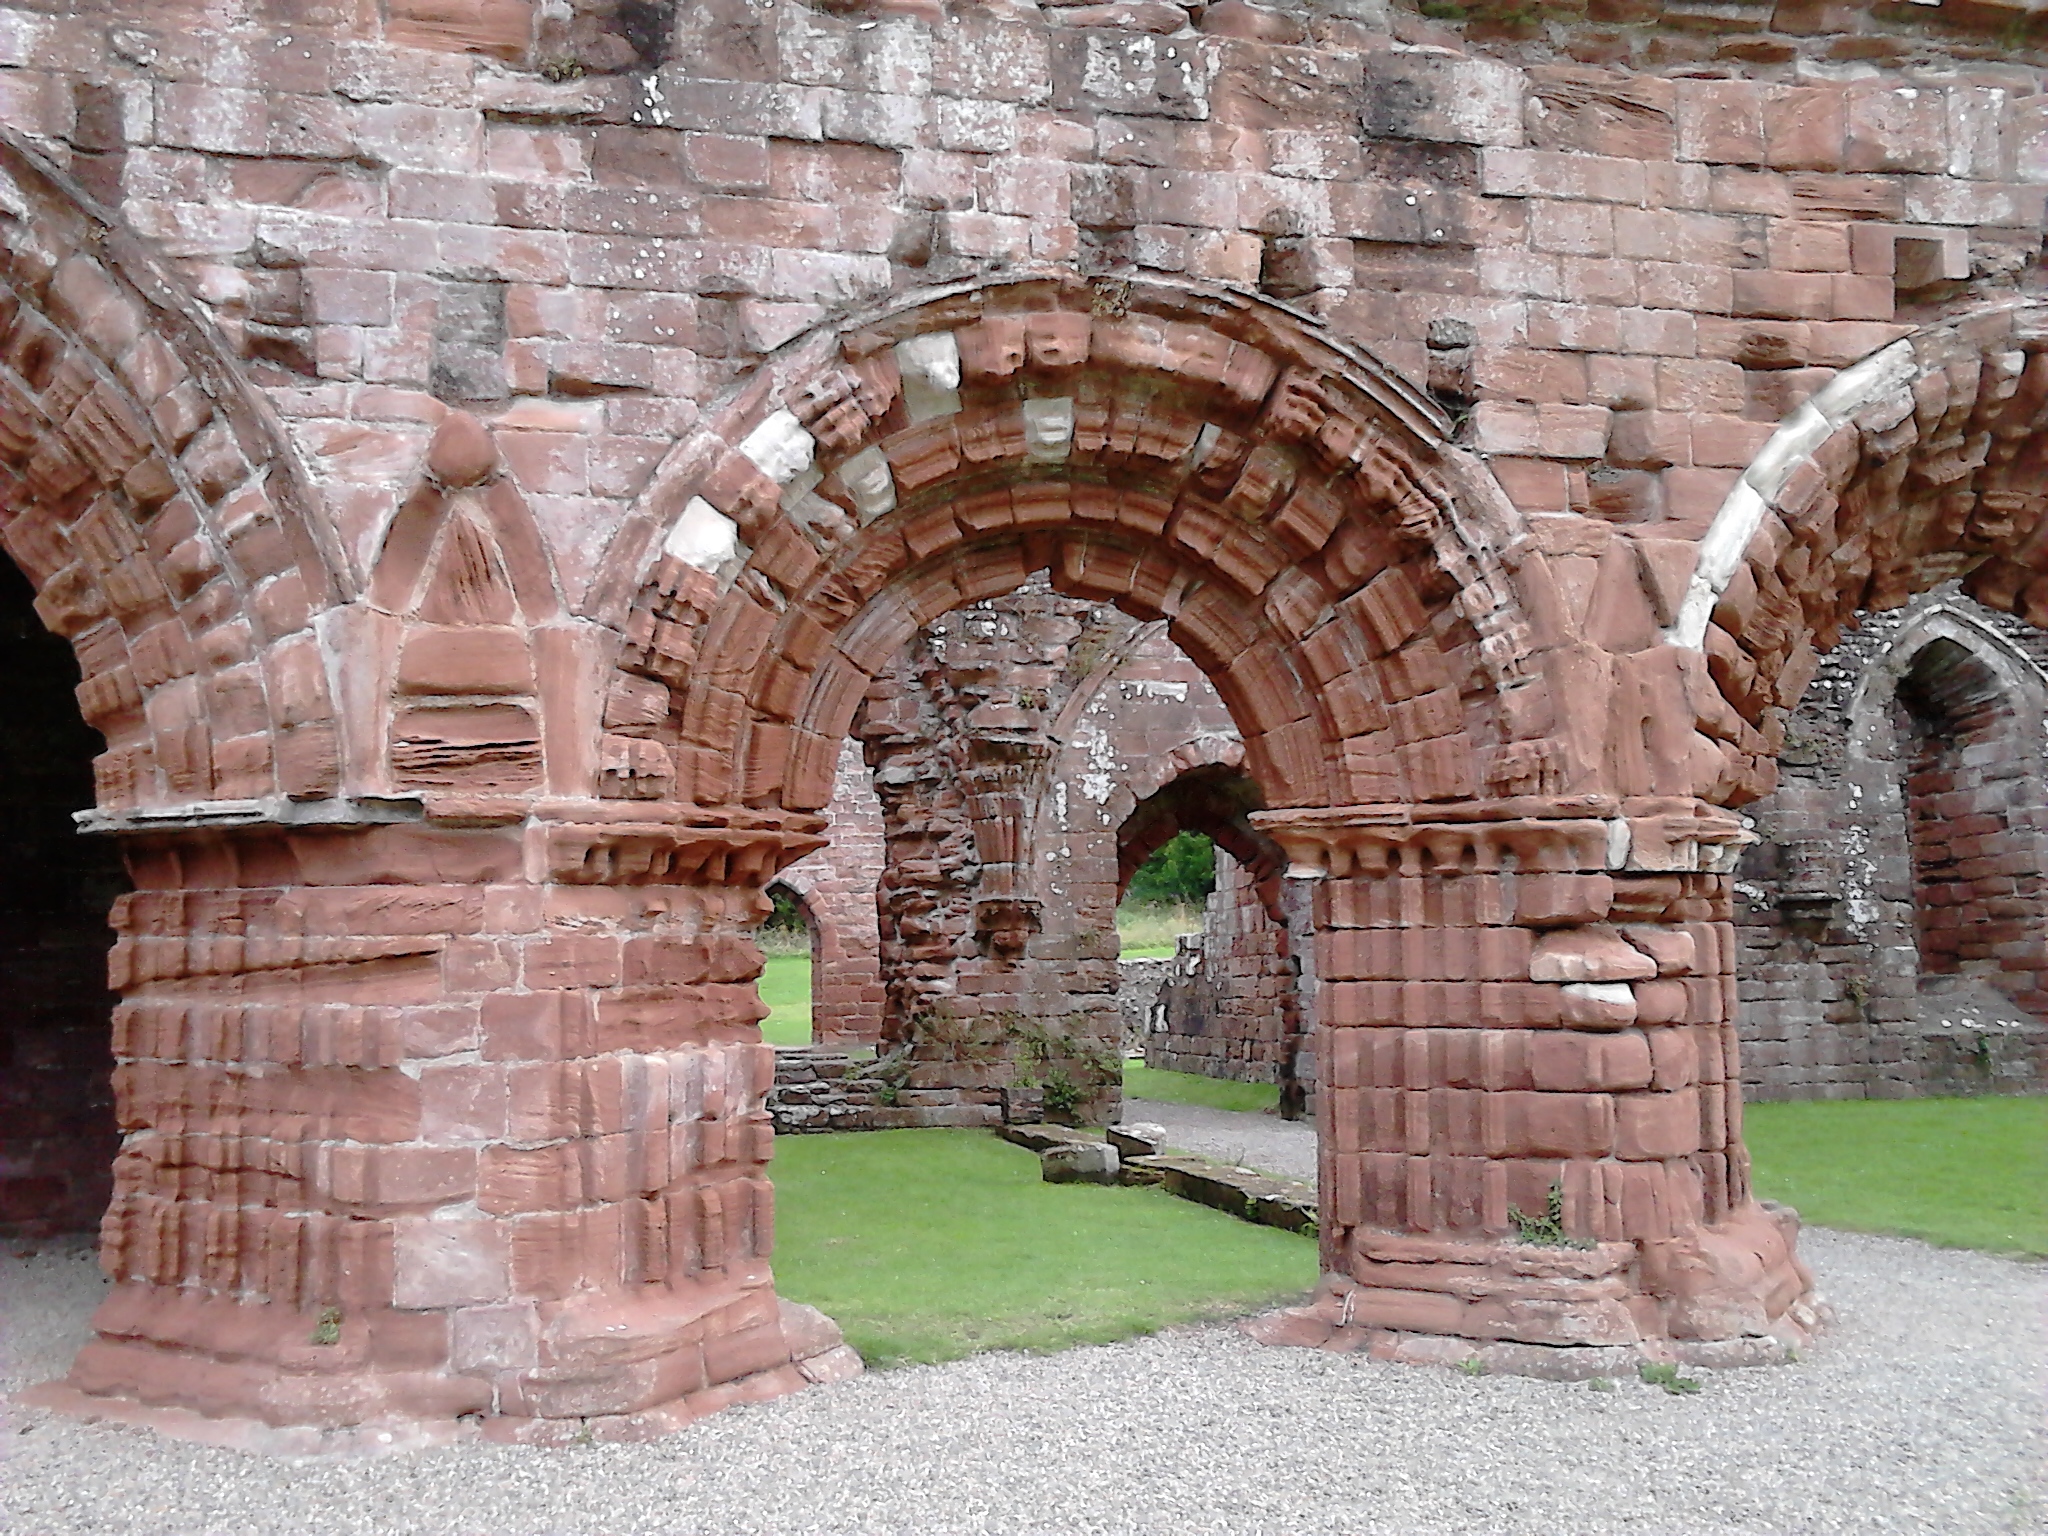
1922 464
152 501
1154 457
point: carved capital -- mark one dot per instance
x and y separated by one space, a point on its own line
1550 834
744 852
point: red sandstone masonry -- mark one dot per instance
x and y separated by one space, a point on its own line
479 453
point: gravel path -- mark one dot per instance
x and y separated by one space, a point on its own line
1920 1414
1264 1142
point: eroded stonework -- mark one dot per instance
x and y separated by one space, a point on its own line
1894 918
484 460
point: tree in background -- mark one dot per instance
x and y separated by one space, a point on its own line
1183 871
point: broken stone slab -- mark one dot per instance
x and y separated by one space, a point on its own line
1079 1162
1141 1138
1285 1203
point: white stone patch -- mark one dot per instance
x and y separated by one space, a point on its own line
703 536
930 366
1618 842
870 482
1204 441
1048 429
1722 546
780 447
1153 688
1616 993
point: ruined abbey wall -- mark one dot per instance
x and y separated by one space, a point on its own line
836 886
484 460
1894 917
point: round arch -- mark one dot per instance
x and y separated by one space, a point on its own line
149 495
1925 462
1195 456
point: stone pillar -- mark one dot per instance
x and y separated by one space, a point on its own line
1530 1111
428 1128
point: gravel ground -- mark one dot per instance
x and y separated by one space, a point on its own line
1920 1414
1264 1142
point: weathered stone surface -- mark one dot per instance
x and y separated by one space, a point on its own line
1137 1138
1079 1162
1240 1192
489 460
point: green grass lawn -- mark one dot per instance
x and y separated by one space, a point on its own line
930 1245
1964 1173
1148 928
786 989
1143 1082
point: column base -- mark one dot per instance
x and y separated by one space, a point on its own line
1731 1294
245 1376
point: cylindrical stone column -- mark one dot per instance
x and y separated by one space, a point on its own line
1529 1112
431 1129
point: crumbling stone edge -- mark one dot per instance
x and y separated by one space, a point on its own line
1327 1322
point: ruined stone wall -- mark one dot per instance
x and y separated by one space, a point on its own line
1892 919
481 458
1619 281
1061 734
837 888
1224 1011
1000 978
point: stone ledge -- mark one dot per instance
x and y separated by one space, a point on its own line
1285 1203
1037 1138
1250 1196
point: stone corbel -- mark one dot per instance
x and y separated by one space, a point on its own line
1562 835
745 853
1005 924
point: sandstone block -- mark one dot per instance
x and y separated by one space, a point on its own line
1137 1138
1094 1162
1588 955
1598 1005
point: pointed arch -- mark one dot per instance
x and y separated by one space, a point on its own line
464 586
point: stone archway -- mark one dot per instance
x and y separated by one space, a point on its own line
1924 462
162 528
1517 912
160 515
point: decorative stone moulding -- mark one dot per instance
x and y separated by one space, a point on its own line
643 854
1190 454
1507 835
1924 462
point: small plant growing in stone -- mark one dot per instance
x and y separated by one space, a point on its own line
1062 1095
1547 1230
1667 1377
1601 1384
1472 1365
328 1329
